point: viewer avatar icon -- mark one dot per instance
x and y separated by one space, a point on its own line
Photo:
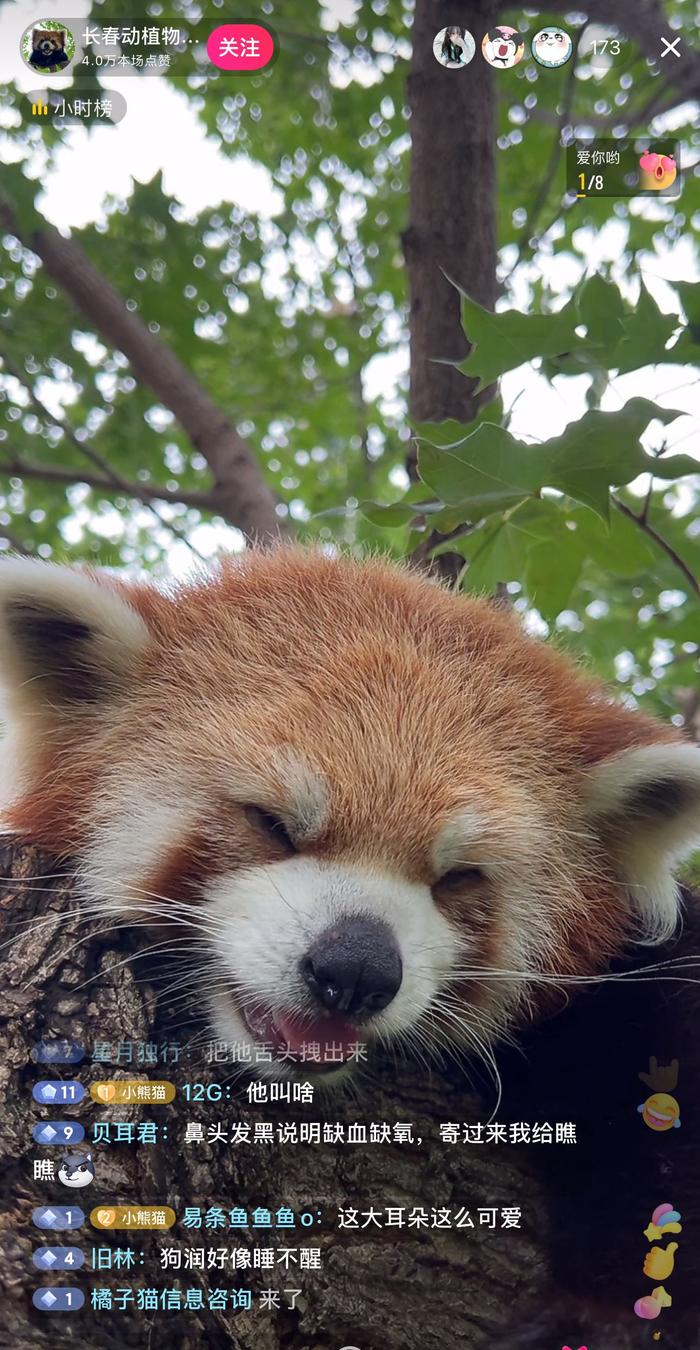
454 47
552 47
503 47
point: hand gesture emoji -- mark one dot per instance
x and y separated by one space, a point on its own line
661 1077
659 1261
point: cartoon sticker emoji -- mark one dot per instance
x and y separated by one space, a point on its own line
76 1170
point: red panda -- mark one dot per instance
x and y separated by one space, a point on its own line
305 744
395 814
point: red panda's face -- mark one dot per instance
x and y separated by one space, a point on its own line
379 810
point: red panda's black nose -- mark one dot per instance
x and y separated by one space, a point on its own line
354 966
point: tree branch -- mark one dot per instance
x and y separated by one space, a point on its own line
62 473
240 493
63 974
663 544
84 448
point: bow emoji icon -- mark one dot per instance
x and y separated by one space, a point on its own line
568 1347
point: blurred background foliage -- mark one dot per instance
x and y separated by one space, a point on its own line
296 322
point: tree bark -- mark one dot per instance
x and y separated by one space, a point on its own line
240 493
450 241
378 1289
451 237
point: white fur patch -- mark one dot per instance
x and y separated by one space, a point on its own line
118 637
265 919
14 776
456 838
120 634
306 795
139 830
647 844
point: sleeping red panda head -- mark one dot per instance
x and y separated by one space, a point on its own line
386 810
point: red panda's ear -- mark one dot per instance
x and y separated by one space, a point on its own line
66 639
645 805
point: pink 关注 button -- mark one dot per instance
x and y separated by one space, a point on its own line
240 46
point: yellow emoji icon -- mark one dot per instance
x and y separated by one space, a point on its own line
657 172
659 1261
661 1112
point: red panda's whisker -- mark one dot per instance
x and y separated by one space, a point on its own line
484 1052
185 997
489 972
297 913
415 1041
171 911
481 1047
97 911
162 905
186 988
88 937
62 955
39 876
163 948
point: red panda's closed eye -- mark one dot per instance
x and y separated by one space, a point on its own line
459 876
271 825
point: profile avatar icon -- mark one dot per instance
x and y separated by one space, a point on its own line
76 1170
503 47
552 47
454 47
48 47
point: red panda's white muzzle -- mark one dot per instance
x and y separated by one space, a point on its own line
312 953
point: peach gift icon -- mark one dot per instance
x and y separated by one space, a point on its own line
649 1307
658 172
